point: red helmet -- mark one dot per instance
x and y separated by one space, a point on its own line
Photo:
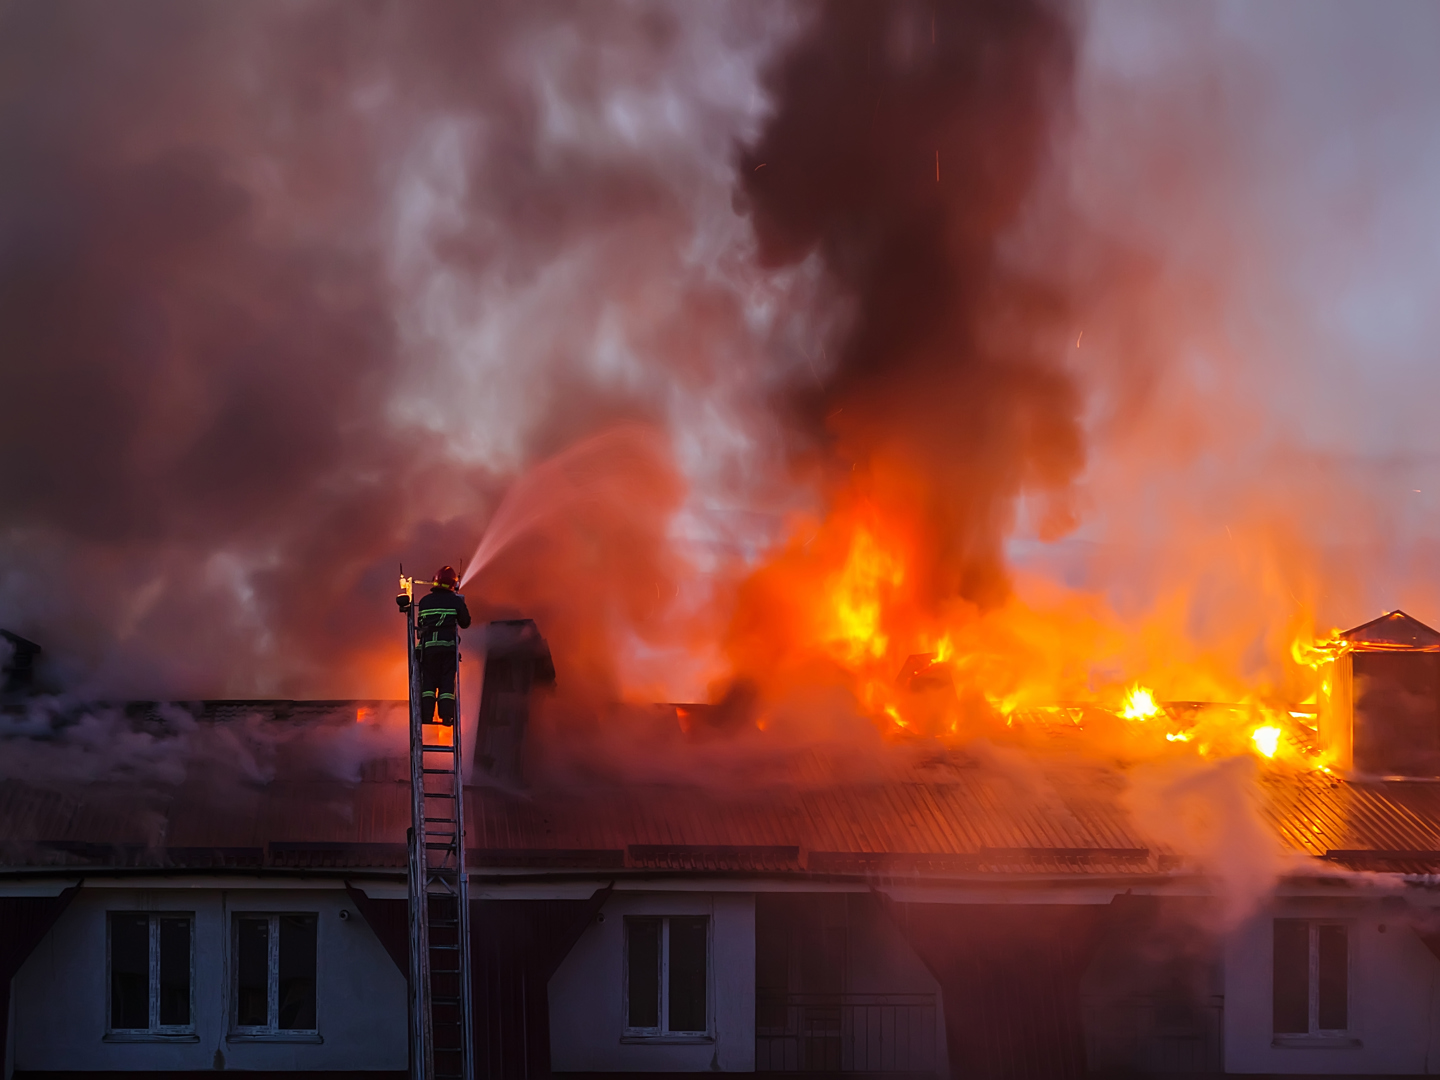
446 576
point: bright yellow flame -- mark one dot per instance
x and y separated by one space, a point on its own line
894 714
1266 739
1140 704
1178 736
1312 653
856 601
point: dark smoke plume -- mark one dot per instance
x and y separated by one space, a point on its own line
905 143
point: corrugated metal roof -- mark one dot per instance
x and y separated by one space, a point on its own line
1393 630
945 816
1377 823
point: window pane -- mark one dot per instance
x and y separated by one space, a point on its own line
297 972
129 971
642 967
174 972
1292 977
1333 989
687 974
252 963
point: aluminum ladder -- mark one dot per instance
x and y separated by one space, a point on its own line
441 1024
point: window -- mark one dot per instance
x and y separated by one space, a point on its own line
274 988
667 975
1312 977
151 956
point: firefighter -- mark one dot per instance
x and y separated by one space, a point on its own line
439 618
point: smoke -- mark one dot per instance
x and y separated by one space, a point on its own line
70 745
1209 813
905 142
289 292
1229 211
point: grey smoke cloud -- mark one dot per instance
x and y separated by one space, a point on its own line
288 290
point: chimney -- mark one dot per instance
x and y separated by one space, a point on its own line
517 663
1384 710
20 671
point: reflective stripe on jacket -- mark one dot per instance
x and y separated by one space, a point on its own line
439 618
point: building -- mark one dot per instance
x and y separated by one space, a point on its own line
953 915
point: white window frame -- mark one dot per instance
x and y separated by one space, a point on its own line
663 1032
271 1029
1312 974
155 1028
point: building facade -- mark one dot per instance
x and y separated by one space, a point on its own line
930 918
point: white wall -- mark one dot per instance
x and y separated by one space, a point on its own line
60 993
1394 981
587 992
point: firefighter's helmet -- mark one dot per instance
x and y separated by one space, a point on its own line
447 577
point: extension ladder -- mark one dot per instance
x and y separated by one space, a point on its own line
441 1032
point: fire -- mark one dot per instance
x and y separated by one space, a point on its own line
1266 739
1308 652
1140 704
857 595
848 603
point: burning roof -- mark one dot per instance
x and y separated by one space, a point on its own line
1393 630
935 816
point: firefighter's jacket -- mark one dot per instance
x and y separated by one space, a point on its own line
439 618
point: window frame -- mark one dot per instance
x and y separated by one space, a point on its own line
155 1030
271 1031
661 1033
1316 1035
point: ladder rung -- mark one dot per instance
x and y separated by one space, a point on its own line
447 948
439 794
439 772
438 749
441 820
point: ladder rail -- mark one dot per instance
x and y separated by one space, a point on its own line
467 1012
421 1028
437 875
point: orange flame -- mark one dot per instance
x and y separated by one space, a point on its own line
857 594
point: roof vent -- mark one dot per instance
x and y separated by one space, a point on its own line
1385 698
